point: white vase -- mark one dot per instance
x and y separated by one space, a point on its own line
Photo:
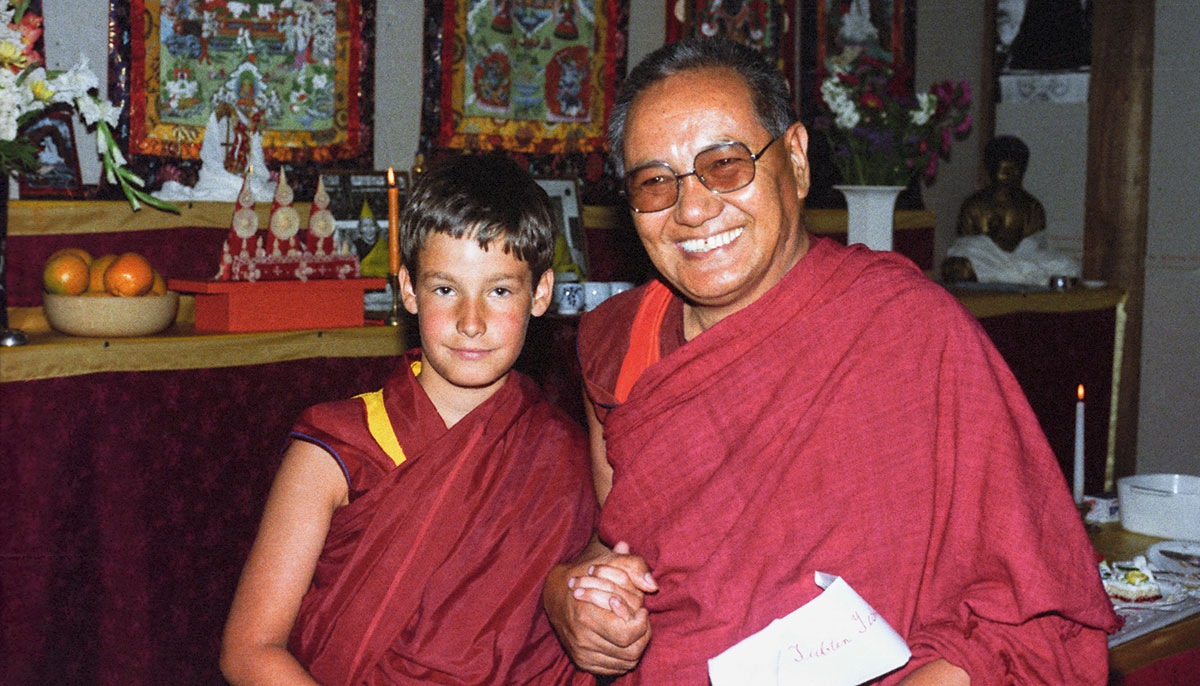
869 214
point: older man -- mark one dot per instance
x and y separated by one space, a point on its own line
779 404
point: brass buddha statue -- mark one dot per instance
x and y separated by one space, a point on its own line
1002 210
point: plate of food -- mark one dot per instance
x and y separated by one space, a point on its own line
1169 594
1180 557
1133 585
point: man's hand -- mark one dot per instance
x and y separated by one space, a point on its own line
595 605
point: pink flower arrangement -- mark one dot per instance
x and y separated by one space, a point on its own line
880 131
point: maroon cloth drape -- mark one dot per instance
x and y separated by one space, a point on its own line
129 501
854 420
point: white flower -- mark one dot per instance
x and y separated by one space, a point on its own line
93 110
926 104
847 118
74 83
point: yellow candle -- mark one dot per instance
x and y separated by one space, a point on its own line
393 223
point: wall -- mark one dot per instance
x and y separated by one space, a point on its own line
1057 134
1168 438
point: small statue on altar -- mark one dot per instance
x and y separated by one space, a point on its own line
243 241
285 222
1003 211
319 238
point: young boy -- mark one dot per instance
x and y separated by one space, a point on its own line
408 530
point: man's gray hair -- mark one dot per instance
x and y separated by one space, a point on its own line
769 91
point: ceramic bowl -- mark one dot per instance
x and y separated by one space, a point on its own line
110 316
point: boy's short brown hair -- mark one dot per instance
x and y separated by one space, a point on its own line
482 196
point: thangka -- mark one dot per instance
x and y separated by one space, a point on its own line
766 25
297 65
532 76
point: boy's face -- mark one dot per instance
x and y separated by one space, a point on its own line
473 306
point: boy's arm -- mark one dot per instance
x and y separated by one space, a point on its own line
307 489
594 602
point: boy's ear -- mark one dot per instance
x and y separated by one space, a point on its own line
543 291
408 294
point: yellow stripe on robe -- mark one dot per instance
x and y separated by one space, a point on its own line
380 426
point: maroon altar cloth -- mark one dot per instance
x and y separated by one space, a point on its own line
192 252
129 501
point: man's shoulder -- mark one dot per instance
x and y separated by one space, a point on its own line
607 327
891 286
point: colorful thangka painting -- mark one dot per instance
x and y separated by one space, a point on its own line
528 75
288 68
767 25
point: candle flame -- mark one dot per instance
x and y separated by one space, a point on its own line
391 177
1079 391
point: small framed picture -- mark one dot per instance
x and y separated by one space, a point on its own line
358 201
564 196
55 171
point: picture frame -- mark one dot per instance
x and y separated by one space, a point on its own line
568 215
306 71
770 26
524 76
884 29
349 190
56 171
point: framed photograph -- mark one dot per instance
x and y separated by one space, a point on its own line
56 168
564 196
358 201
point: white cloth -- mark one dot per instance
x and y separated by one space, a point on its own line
1032 263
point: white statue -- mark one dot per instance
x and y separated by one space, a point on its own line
215 182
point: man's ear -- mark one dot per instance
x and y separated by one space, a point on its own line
796 139
408 294
543 292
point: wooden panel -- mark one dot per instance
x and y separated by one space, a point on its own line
1116 203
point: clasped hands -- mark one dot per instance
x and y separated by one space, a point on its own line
595 604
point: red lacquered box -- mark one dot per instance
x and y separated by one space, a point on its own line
241 306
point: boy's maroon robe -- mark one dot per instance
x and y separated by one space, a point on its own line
433 573
854 420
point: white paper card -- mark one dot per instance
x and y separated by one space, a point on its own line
835 639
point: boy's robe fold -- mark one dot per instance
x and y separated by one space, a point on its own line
855 420
434 571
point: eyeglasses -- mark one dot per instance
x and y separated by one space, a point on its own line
722 169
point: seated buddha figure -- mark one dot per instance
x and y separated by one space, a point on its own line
1003 210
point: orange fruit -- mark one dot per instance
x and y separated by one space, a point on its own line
96 273
129 275
77 252
65 274
159 287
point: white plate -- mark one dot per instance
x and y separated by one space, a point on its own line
1171 594
1167 564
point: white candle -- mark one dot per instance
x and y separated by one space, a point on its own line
1078 491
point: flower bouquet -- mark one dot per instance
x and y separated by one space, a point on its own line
880 132
27 88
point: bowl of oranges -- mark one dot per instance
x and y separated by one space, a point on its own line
112 295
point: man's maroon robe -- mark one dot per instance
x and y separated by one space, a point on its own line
433 573
854 420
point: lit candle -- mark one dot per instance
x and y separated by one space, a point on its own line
1078 492
393 223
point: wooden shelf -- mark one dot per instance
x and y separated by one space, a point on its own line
50 354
